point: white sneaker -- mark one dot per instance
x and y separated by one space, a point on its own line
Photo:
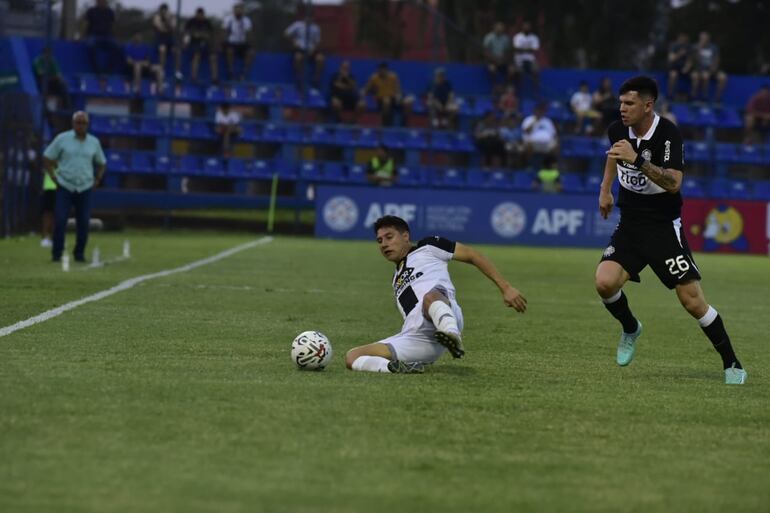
46 243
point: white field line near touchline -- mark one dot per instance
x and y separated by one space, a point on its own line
102 263
125 285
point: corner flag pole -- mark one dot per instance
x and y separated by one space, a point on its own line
271 209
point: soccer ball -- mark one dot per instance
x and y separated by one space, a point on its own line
311 350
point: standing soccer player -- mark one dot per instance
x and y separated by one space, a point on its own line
425 296
647 157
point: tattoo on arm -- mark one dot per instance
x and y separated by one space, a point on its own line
663 177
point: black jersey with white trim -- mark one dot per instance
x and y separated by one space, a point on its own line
423 269
639 197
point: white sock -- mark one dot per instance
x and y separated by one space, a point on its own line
443 317
707 319
613 298
371 364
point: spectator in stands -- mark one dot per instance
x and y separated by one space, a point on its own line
199 39
581 104
227 124
606 103
508 104
525 47
548 178
75 162
488 140
539 133
679 62
705 67
382 168
441 103
164 24
386 87
757 117
237 27
305 38
510 133
344 93
138 60
102 48
497 55
47 72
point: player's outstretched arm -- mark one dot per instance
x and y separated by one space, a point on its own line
511 296
606 200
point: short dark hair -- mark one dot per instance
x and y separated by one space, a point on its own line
642 84
391 222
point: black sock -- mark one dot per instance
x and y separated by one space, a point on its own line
718 336
619 310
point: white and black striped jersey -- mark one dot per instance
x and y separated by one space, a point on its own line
639 197
424 268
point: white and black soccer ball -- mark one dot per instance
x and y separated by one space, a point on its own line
311 350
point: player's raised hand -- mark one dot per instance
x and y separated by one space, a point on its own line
513 298
606 202
622 150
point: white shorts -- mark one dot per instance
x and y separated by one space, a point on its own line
415 343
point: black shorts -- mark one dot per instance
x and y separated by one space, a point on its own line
163 39
348 99
48 200
663 246
240 50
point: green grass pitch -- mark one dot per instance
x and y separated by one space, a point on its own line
179 395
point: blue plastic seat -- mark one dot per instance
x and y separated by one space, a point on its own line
310 171
236 167
315 99
321 134
213 166
442 140
762 190
693 188
475 178
272 133
250 132
394 138
289 96
181 128
416 140
704 116
201 129
123 125
684 114
190 92
357 174
117 162
242 94
749 154
294 134
90 86
368 138
725 188
333 172
163 164
152 127
450 177
580 147
117 87
498 179
265 95
411 176
482 105
522 181
286 169
697 151
261 169
188 165
214 94
345 136
141 162
571 182
727 117
100 125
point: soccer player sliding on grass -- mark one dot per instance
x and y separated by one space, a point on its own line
647 158
425 296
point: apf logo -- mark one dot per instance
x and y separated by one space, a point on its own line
508 219
723 227
340 213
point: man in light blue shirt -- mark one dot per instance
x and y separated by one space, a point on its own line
75 161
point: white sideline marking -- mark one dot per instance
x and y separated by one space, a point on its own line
125 285
103 263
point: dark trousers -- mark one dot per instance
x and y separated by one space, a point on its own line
103 52
82 203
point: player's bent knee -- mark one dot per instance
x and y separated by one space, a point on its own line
606 287
350 357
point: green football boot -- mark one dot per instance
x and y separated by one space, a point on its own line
734 376
627 346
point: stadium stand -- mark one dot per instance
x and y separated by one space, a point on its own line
284 132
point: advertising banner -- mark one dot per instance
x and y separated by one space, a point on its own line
727 226
468 216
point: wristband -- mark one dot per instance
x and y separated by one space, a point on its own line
639 162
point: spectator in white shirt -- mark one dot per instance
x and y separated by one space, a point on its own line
237 27
305 37
582 106
525 47
228 126
539 133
